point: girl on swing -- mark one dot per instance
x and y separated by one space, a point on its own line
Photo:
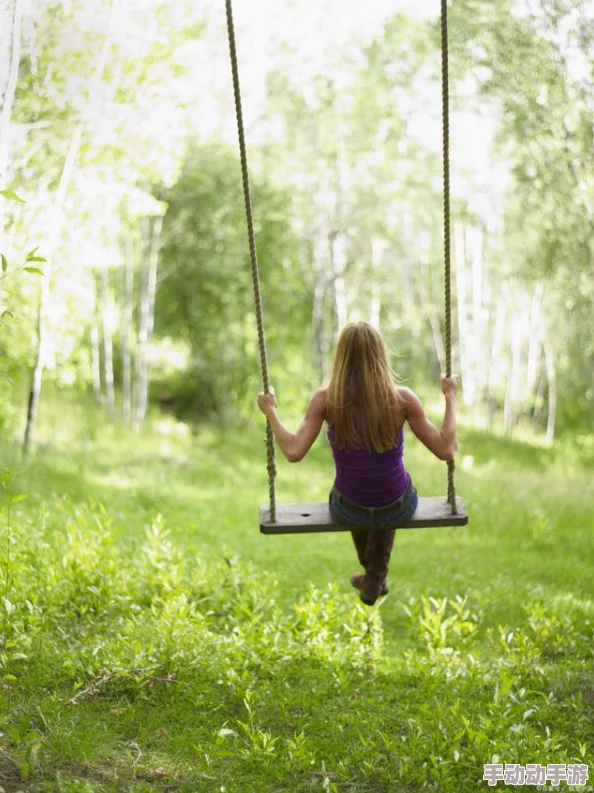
365 412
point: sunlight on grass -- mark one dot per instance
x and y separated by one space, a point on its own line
146 593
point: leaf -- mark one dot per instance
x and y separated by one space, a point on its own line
34 270
11 196
32 253
4 263
36 259
20 497
5 313
224 731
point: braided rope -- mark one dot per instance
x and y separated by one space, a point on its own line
445 105
270 467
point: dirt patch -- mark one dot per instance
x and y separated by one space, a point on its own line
10 774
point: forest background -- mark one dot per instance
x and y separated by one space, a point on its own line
125 259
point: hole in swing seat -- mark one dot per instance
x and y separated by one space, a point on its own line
306 514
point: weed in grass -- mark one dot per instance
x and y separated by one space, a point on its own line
228 659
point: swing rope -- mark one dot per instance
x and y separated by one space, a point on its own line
445 106
270 467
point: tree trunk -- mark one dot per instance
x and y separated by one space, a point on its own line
338 260
154 226
95 361
318 324
319 319
429 311
437 338
7 103
496 350
552 382
513 382
375 308
534 343
148 283
127 320
539 399
107 340
461 300
42 330
429 300
49 250
95 349
477 338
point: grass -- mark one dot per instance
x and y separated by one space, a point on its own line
153 640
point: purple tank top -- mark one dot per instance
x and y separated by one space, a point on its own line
371 479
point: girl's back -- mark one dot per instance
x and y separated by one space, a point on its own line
370 478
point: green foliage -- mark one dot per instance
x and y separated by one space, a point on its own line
171 631
139 653
206 296
346 189
534 64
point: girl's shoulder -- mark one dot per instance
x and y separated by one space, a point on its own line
405 395
320 401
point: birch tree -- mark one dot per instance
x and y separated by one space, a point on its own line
11 70
55 234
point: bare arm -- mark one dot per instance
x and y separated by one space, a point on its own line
295 445
441 442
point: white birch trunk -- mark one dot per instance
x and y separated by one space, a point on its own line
552 387
534 342
95 342
49 249
437 338
107 340
539 399
496 363
127 318
153 228
156 228
140 384
338 257
375 308
477 339
320 335
508 405
461 300
514 380
7 104
95 361
318 251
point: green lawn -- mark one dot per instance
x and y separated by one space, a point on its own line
152 639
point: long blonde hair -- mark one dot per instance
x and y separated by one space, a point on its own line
363 404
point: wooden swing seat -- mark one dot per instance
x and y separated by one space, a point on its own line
432 512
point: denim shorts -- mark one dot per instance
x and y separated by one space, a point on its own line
387 517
